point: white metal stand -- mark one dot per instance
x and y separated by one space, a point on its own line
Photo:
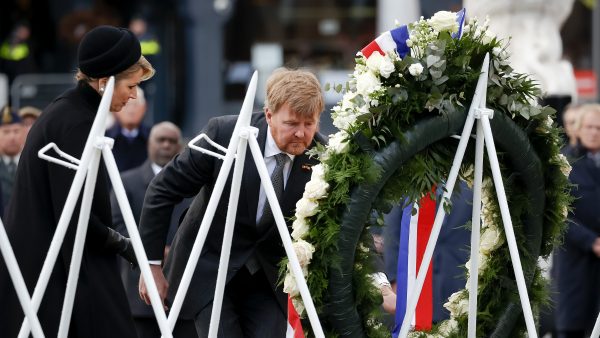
243 135
484 133
95 146
596 330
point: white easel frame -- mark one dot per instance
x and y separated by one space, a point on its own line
243 136
477 111
95 146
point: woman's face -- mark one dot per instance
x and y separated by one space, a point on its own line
125 89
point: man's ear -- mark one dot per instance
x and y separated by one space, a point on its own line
268 115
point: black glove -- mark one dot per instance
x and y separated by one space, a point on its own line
119 244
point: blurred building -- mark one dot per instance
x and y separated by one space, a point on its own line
209 48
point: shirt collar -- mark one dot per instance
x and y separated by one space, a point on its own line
6 159
271 148
130 133
155 168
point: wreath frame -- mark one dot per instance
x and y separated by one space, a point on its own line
385 133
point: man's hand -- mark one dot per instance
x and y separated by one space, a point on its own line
161 284
389 299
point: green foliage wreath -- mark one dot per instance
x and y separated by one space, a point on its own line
395 120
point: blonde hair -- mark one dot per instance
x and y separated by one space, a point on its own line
142 63
584 110
300 89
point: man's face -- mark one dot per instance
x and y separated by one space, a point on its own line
589 132
292 132
11 140
163 145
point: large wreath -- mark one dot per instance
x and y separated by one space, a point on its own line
395 119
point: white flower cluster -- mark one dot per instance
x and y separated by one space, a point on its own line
366 89
306 207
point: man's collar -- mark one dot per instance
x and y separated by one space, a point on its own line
271 148
155 168
6 159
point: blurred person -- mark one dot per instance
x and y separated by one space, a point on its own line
101 308
164 143
576 264
11 144
16 56
571 123
254 303
28 115
130 134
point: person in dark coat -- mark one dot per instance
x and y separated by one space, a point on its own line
130 134
100 308
254 304
576 266
11 144
164 143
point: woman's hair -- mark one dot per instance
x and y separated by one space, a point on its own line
300 89
142 63
585 109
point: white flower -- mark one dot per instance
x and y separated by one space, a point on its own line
565 211
367 82
337 142
564 164
448 326
316 189
386 67
289 285
304 251
317 172
491 239
298 305
415 69
300 227
306 208
457 304
483 261
487 37
444 21
374 61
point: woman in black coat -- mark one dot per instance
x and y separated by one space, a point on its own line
41 189
576 267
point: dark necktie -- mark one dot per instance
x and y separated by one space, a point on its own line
277 180
11 167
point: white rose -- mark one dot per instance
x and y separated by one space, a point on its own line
386 67
367 82
483 260
304 251
565 166
491 239
415 69
337 142
317 172
344 121
448 326
457 304
487 37
565 211
289 285
300 227
444 21
298 305
316 189
306 208
374 61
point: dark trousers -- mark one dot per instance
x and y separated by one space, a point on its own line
249 310
148 328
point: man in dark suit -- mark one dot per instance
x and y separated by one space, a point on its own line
11 144
254 304
576 266
163 144
130 134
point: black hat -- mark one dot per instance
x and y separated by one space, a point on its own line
108 50
9 116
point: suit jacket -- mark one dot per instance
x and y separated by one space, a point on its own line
7 181
576 269
136 182
129 153
100 309
193 173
